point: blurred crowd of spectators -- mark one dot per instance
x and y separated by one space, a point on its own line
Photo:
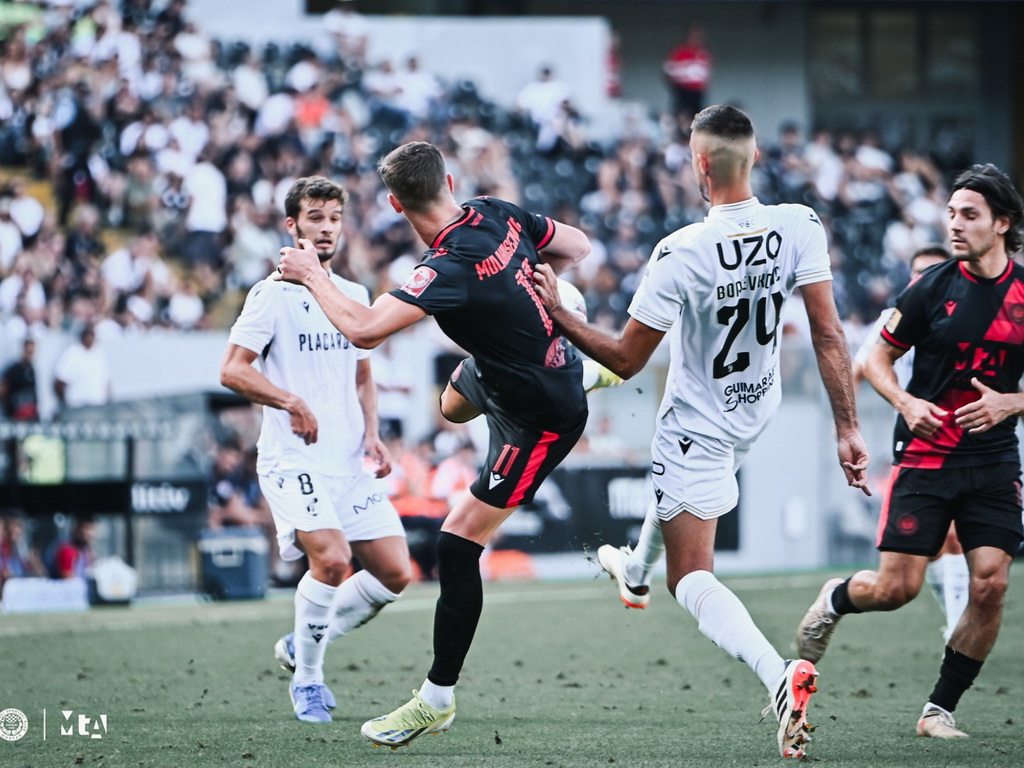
143 167
166 154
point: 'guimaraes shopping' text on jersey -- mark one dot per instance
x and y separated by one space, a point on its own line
718 287
961 326
477 281
302 352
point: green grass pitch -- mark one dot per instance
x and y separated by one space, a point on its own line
560 675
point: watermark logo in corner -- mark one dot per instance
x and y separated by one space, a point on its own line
13 724
83 725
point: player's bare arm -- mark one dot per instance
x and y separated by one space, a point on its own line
990 409
366 327
238 375
374 447
624 355
922 416
833 357
568 247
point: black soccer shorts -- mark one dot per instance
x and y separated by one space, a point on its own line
519 456
983 501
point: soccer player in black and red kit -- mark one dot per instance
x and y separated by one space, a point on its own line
956 453
476 279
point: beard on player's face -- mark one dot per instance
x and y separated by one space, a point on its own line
324 252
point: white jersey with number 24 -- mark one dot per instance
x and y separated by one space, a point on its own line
717 287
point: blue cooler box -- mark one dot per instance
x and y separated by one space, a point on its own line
235 562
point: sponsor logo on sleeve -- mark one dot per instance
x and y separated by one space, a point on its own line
418 281
894 321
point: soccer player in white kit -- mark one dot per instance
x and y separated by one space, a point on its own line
319 425
717 288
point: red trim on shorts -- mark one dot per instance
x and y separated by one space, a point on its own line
883 518
533 465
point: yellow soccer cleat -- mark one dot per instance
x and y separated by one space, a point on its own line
596 376
408 722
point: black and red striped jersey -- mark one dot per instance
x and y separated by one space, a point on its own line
961 326
477 281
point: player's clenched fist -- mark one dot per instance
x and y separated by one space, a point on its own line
298 265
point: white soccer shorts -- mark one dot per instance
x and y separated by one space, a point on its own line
694 473
307 501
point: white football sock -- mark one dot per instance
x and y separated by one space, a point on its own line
437 696
956 589
358 599
722 618
934 574
648 551
313 601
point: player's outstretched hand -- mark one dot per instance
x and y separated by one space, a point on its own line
546 283
853 458
298 265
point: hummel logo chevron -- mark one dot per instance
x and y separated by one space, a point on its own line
495 480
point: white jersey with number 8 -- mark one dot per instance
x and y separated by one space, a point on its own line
302 352
717 287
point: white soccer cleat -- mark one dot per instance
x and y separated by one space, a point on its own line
613 561
817 625
284 652
789 705
937 723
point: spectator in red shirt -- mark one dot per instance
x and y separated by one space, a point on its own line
71 557
688 71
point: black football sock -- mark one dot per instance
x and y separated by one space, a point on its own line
956 675
841 602
459 606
